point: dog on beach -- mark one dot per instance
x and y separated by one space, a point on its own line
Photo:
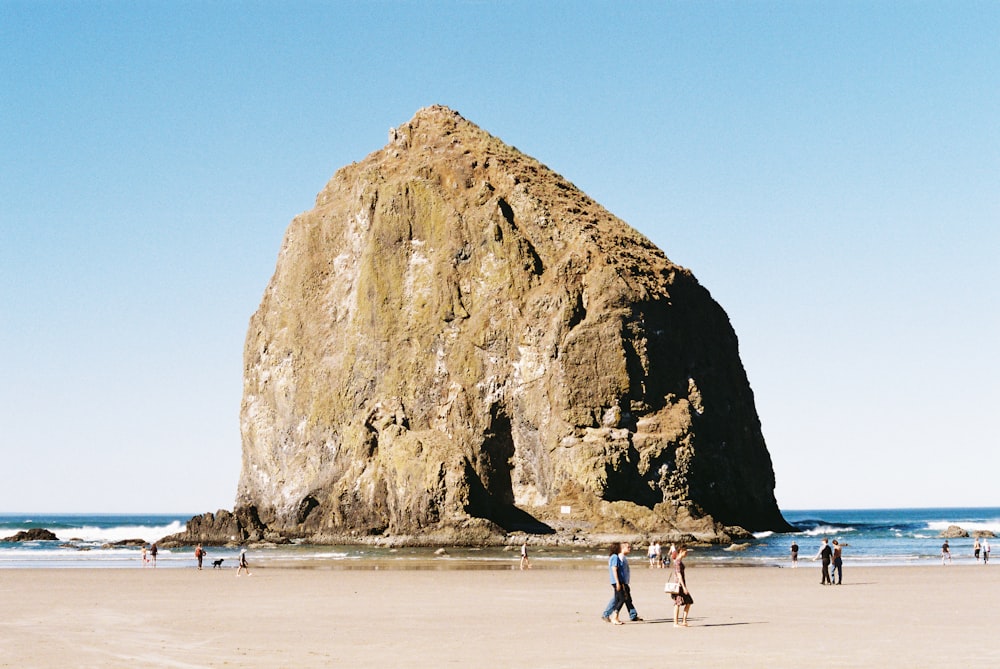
217 564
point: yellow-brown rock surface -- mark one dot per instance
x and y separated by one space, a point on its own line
458 342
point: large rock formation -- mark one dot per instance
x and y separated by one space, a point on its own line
457 340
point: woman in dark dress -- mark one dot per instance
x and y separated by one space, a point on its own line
682 598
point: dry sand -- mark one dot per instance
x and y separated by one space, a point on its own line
544 617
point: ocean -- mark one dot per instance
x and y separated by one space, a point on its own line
872 537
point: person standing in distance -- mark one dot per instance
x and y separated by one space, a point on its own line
838 563
826 553
243 563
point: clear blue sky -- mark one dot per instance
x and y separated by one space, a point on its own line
830 171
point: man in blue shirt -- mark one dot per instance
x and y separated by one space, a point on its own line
619 572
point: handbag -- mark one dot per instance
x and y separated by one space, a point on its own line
672 588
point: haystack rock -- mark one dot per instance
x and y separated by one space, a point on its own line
457 343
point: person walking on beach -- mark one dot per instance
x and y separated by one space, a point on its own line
243 563
795 555
683 598
617 592
945 552
976 547
633 615
524 555
152 554
618 569
199 554
145 555
826 553
986 550
651 554
838 563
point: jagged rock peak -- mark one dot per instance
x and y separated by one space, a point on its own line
464 156
458 342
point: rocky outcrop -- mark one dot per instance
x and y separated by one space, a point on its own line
954 532
34 534
457 343
223 528
126 543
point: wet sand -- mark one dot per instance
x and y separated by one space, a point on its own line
543 617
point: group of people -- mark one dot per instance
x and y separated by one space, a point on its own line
149 555
618 571
833 561
982 549
655 555
242 565
979 549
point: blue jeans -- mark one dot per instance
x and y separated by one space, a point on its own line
619 599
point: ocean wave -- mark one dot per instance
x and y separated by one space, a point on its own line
822 530
108 535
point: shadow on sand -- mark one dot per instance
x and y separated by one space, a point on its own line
696 622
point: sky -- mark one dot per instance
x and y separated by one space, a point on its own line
829 171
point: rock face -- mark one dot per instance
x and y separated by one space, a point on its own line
222 528
456 339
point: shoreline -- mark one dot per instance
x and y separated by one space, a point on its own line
894 537
457 558
428 561
314 617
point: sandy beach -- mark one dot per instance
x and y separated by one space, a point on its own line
543 617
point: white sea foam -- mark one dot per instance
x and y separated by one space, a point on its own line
823 530
319 555
969 526
107 535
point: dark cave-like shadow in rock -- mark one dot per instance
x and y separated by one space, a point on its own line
513 519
